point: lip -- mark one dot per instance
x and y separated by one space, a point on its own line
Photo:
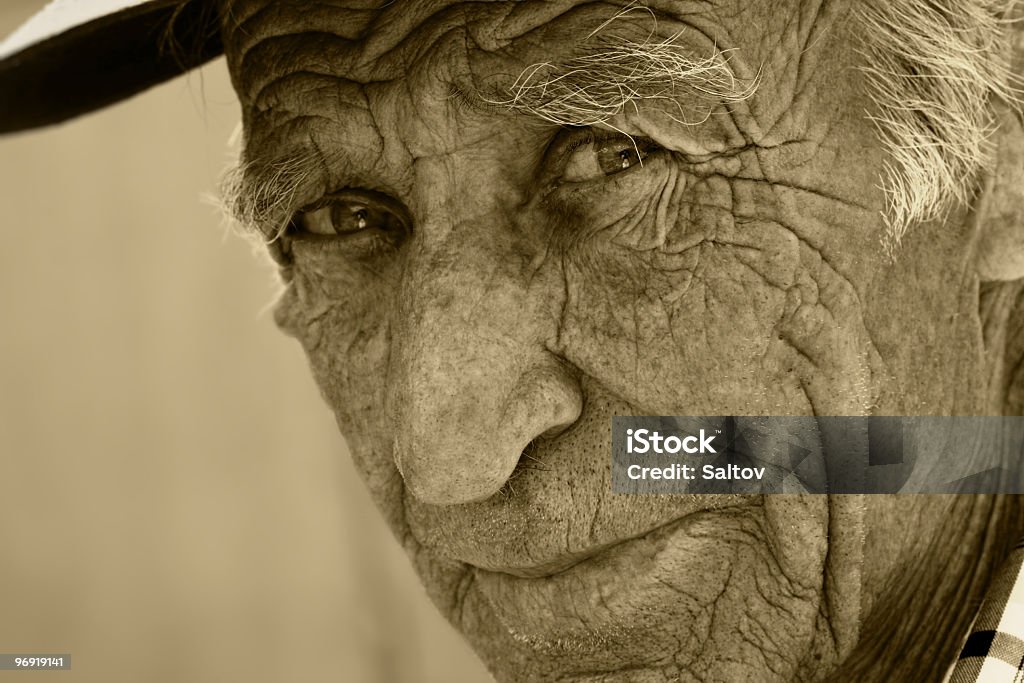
628 597
570 561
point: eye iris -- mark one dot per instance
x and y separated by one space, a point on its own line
614 159
349 217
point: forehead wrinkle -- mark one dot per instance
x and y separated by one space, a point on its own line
348 19
269 82
365 41
378 40
264 43
363 45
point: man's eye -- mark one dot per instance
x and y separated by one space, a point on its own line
591 158
350 212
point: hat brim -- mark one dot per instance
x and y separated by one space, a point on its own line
105 60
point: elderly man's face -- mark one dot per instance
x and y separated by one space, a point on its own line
479 289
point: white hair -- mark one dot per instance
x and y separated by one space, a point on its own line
934 68
260 194
617 71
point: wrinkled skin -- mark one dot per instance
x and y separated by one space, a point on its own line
738 271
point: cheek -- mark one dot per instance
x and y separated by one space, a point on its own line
677 312
341 323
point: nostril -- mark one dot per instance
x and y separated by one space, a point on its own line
529 461
530 458
555 409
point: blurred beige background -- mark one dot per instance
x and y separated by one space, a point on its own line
175 501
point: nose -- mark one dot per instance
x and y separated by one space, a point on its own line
463 427
471 383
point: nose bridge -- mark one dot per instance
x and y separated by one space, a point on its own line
470 383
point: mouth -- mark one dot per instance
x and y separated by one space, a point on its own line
567 562
624 599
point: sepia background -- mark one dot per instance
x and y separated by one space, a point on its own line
175 501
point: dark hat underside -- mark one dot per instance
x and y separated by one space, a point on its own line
106 60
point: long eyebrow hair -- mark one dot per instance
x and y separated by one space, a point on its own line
262 194
616 70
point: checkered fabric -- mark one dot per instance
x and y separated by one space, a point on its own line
994 651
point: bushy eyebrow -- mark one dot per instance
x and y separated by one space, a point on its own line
262 194
621 64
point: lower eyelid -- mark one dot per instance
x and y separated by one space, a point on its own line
358 246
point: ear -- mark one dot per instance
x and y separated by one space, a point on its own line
1000 210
